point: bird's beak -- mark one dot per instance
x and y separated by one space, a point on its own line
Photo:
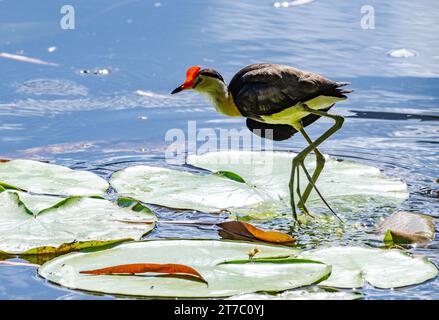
187 85
178 89
191 75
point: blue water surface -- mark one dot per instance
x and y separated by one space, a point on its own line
67 114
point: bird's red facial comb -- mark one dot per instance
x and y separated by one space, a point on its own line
191 74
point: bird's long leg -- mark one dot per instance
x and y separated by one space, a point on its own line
292 202
320 163
299 159
297 163
299 193
319 193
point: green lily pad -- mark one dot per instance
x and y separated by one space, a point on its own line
45 178
255 179
269 172
182 190
205 256
308 294
32 224
352 267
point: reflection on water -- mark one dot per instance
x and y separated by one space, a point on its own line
107 122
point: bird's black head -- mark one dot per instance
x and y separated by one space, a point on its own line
195 76
209 72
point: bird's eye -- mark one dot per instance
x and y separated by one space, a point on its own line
198 80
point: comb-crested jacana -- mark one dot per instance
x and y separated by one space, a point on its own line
278 101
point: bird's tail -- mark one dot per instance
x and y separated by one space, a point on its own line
335 91
343 84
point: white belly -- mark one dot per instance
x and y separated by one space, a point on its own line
293 114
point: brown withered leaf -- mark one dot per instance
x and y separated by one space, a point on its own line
233 236
239 229
408 227
137 268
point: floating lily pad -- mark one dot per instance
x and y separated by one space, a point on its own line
352 267
205 256
45 178
183 190
309 294
254 179
270 172
31 224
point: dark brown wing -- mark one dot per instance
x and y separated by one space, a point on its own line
264 89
